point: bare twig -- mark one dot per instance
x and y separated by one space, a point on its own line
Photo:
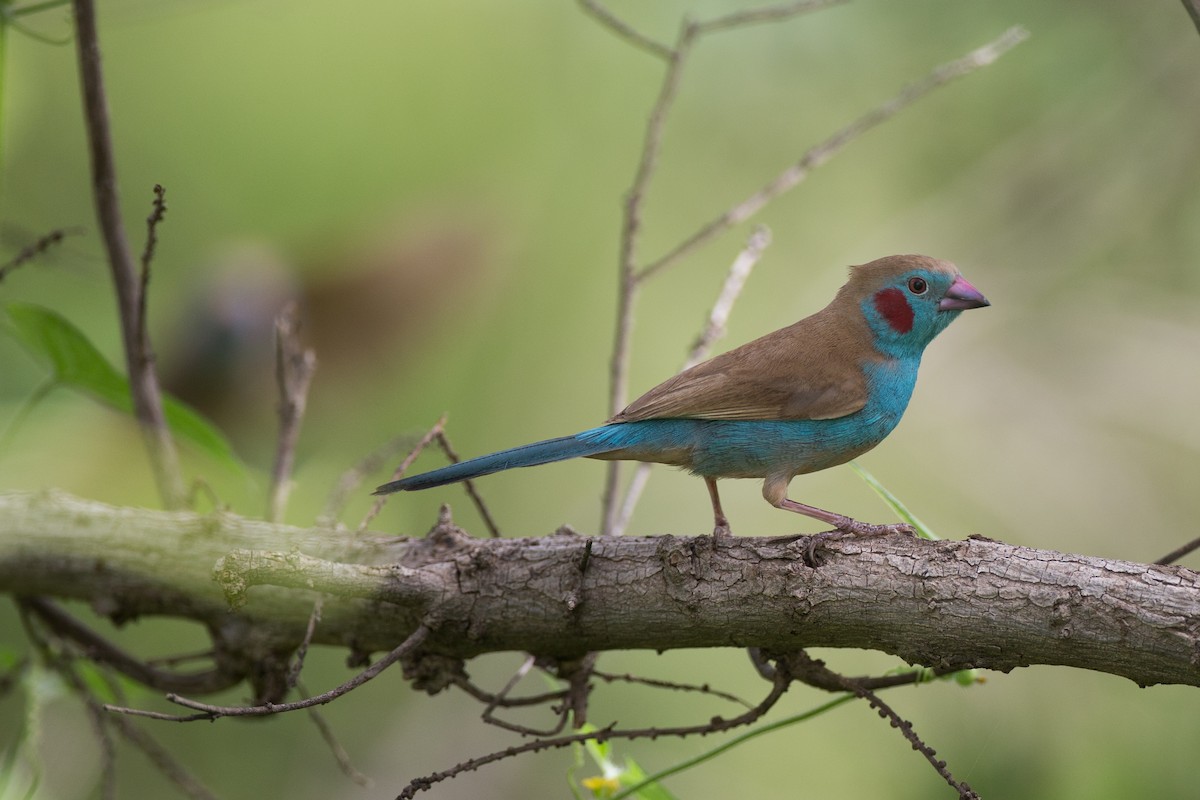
294 368
469 485
33 250
339 753
715 725
293 677
624 30
1179 552
159 210
627 284
139 360
496 701
671 685
818 155
354 477
416 450
209 711
102 651
813 672
1193 9
714 329
754 16
502 696
167 764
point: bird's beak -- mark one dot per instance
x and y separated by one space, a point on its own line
962 295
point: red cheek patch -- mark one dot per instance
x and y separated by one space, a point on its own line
893 307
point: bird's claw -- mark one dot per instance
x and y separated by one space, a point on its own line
851 527
856 528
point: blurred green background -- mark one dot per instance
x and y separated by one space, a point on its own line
441 183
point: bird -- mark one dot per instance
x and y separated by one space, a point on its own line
804 398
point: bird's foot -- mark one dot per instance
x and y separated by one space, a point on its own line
851 527
721 534
856 528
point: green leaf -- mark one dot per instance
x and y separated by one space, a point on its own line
894 503
634 775
74 362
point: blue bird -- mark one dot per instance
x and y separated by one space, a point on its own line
810 396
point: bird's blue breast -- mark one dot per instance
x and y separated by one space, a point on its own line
758 448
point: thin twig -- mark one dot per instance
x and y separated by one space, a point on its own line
294 368
672 685
356 475
34 249
469 485
187 783
293 677
502 695
714 329
495 700
208 711
754 16
339 753
624 29
416 450
158 211
139 360
102 651
715 725
795 174
1193 9
813 672
627 284
1179 552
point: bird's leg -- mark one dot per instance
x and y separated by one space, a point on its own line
843 523
720 523
775 492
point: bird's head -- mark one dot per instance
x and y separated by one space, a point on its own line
907 300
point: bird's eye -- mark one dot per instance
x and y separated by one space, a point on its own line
917 285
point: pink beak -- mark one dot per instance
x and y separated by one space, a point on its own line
962 295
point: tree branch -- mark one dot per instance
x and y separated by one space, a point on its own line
139 360
947 604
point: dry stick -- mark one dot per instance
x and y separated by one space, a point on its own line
27 607
354 477
703 688
424 441
713 330
818 155
1179 552
628 282
339 753
294 368
469 485
715 725
521 672
158 211
753 16
815 673
1193 9
32 251
162 759
293 676
210 712
624 30
102 651
139 360
496 701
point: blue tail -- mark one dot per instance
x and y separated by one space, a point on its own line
529 455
